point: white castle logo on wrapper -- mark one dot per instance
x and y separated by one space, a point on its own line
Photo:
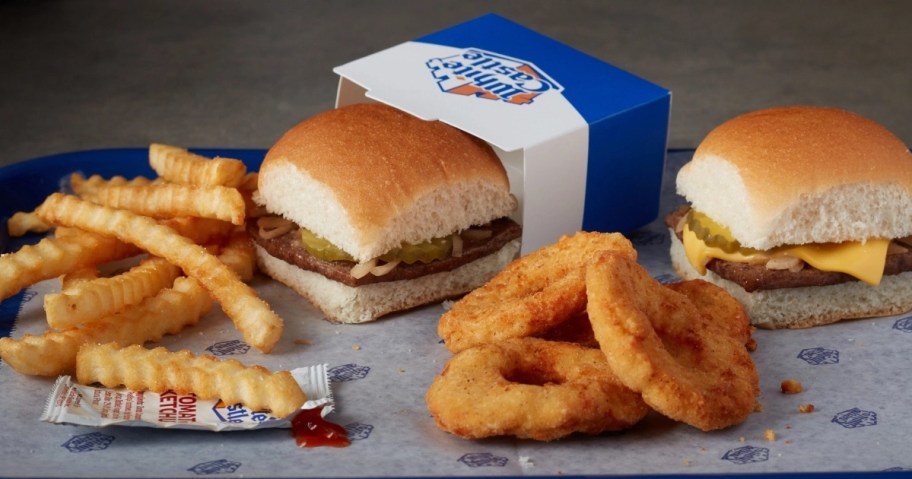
491 76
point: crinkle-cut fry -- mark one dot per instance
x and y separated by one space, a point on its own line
171 199
81 275
199 230
257 322
54 352
52 257
238 253
160 370
181 166
23 222
100 297
87 186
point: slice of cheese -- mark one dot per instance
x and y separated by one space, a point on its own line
864 261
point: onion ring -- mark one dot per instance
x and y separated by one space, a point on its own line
687 365
532 295
531 388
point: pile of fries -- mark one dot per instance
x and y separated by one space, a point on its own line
186 230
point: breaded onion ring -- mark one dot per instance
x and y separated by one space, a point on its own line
722 308
689 366
532 295
531 388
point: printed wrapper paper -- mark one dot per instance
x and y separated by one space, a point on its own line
74 403
855 373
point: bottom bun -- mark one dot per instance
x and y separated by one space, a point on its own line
346 304
808 306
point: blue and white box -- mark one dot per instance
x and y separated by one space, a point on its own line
583 141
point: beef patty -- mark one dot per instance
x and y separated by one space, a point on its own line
288 248
754 277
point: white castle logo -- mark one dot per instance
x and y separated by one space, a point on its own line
491 76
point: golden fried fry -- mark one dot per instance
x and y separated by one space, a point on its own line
54 353
88 186
70 280
531 295
239 254
171 199
159 370
260 326
181 166
90 300
657 342
25 222
52 257
199 230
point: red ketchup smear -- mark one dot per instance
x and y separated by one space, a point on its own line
311 430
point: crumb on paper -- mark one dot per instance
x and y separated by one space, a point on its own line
806 408
526 462
402 370
356 347
791 386
769 435
686 461
448 304
758 407
741 439
303 342
751 345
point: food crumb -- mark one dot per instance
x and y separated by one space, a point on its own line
356 347
751 345
686 461
791 386
758 407
742 439
303 342
806 408
769 435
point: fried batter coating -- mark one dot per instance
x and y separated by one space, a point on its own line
531 388
532 295
689 366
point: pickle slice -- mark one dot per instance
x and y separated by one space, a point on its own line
425 252
712 233
322 248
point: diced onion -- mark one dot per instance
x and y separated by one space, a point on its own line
457 246
361 270
273 226
790 263
385 268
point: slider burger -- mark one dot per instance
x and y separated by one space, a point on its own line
370 211
802 213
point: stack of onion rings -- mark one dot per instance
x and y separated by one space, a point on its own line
687 365
578 337
531 388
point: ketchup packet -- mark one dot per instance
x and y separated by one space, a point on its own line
74 403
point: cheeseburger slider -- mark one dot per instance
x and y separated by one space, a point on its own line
370 211
802 213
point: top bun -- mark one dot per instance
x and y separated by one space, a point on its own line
802 174
368 177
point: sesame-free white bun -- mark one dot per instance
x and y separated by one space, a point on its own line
802 174
369 177
811 305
